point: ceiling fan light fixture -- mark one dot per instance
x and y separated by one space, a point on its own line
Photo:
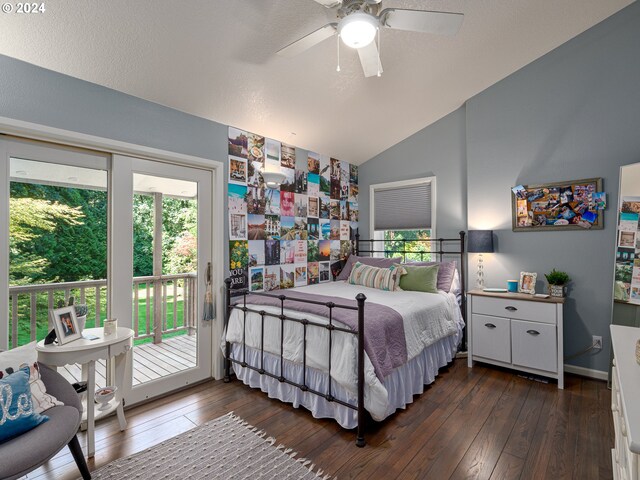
358 29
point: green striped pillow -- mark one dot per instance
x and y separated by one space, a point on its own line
375 277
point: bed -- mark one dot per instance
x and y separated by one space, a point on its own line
339 349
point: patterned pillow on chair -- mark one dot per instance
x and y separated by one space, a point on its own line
41 399
17 414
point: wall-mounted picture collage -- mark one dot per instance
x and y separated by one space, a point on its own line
627 276
296 234
571 205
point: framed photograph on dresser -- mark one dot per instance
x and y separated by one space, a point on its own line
527 282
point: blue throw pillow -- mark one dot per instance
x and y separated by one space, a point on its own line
17 414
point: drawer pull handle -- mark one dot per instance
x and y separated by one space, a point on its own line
489 325
510 308
533 332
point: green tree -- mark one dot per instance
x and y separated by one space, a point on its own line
414 241
29 220
142 235
182 258
73 250
179 235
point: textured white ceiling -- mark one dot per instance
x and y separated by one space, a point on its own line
215 59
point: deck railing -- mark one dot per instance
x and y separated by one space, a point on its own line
161 295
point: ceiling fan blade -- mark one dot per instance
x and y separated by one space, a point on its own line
440 23
308 41
370 60
329 3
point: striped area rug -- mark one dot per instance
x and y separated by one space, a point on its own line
224 448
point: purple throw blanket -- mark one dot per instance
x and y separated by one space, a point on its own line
384 339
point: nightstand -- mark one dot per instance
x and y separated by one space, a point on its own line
518 331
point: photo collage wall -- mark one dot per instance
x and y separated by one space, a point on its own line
568 205
296 234
627 278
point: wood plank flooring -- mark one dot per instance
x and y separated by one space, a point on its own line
150 361
480 423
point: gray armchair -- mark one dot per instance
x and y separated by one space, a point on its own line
28 451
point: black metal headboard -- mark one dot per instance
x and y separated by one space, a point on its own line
444 248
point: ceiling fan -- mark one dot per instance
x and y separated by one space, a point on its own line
360 20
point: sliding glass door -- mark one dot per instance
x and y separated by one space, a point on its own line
163 248
118 237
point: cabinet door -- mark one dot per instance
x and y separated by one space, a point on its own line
534 345
491 338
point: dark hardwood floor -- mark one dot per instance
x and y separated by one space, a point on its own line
482 423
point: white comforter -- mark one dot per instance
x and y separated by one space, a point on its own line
427 318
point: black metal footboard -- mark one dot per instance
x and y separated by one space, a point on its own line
241 304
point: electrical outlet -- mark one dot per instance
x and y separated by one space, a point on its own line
597 342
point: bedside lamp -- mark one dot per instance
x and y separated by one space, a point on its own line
480 241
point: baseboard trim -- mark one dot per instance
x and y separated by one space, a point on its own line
586 372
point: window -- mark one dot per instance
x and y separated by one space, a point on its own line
405 241
403 216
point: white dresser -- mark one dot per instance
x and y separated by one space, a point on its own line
518 331
625 403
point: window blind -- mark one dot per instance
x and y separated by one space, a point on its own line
403 208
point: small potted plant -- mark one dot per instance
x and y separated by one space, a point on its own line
557 281
81 312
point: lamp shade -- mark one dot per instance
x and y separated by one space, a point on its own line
480 241
273 179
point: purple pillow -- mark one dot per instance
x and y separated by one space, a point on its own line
372 261
446 272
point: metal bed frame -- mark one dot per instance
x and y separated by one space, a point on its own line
444 248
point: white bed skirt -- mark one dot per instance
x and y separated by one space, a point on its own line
402 384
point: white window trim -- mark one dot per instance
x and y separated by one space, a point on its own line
403 183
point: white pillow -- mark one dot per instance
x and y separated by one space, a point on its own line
14 359
17 356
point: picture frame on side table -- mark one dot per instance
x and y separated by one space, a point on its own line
65 324
527 283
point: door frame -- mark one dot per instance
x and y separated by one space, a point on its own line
29 130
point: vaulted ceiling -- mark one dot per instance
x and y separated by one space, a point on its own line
215 59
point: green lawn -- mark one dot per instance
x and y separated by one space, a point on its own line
42 312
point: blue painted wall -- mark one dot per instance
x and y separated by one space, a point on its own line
574 113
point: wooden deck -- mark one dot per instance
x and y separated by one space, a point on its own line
150 361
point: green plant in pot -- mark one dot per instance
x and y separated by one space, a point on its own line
557 281
81 312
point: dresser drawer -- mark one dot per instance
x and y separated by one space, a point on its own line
534 345
491 337
120 348
518 309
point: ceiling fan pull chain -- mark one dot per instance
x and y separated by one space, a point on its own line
338 67
379 73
